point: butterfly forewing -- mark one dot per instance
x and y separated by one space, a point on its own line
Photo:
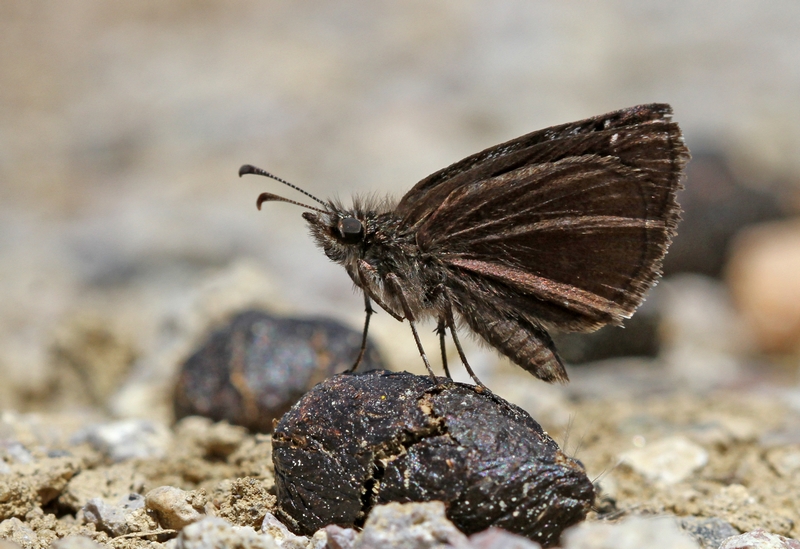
585 137
563 228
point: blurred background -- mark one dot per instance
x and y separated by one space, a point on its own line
125 233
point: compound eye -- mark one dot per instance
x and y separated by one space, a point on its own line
351 229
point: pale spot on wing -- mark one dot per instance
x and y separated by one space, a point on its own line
567 295
577 224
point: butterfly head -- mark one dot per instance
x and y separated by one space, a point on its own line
339 233
342 233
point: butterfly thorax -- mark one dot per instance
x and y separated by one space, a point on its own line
371 244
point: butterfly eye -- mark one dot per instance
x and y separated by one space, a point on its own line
351 229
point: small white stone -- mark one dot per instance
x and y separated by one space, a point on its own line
669 460
283 537
173 507
337 537
112 518
16 531
759 539
75 542
785 460
216 533
631 533
419 525
128 439
494 538
319 540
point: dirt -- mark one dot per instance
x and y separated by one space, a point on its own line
226 472
750 479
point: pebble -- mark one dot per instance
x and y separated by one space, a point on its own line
319 541
669 460
128 439
709 532
759 539
217 440
497 538
176 508
281 534
16 531
15 452
412 526
116 519
723 430
112 483
215 533
630 533
785 461
75 542
339 538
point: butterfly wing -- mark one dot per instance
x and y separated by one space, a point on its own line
563 228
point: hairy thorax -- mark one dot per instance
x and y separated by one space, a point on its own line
380 251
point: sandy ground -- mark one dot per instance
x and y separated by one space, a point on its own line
732 454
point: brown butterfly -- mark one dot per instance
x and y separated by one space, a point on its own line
563 229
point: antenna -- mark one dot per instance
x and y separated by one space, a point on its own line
269 197
247 168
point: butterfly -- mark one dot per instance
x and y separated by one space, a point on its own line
561 229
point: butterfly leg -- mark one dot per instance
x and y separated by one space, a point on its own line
394 282
440 329
452 325
370 311
365 272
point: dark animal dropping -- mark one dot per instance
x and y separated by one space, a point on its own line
562 229
357 441
252 369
